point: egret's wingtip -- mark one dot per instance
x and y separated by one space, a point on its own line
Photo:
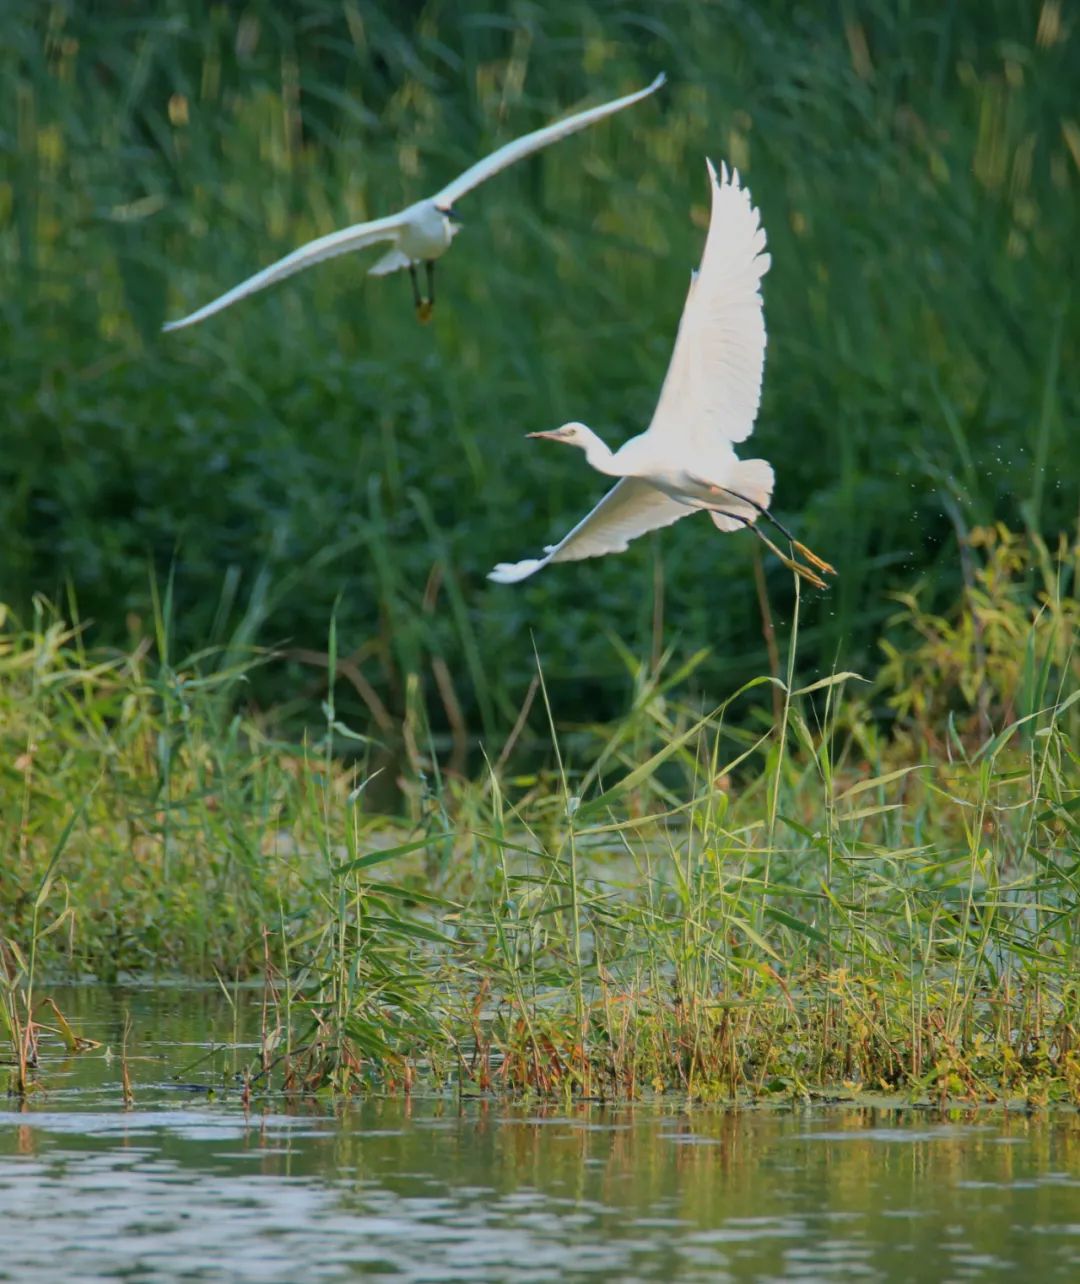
512 572
726 178
660 80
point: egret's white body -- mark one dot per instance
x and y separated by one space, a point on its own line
685 461
422 232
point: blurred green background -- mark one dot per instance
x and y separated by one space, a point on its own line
917 167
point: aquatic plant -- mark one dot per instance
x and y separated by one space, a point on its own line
867 883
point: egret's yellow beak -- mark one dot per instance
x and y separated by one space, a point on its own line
553 435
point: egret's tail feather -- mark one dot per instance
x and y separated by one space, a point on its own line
511 572
392 261
751 484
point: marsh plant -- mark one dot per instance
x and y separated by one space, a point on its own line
917 168
817 883
635 827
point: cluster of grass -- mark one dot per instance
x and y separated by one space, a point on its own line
822 880
917 169
843 883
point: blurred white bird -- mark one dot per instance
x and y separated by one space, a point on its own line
422 232
685 461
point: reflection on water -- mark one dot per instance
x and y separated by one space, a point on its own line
187 1187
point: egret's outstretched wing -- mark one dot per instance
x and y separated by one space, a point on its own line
520 147
713 384
629 509
325 247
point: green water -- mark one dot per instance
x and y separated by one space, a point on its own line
187 1186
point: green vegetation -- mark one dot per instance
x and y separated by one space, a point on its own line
772 897
917 170
261 715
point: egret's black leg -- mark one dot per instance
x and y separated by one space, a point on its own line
424 306
789 562
810 556
418 301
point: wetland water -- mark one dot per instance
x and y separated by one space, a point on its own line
185 1186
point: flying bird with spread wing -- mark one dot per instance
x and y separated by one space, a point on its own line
421 233
685 461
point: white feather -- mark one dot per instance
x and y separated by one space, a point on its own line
685 460
629 509
357 237
421 233
511 153
713 384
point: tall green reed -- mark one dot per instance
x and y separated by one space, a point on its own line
918 183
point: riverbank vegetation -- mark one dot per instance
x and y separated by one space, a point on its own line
836 881
649 824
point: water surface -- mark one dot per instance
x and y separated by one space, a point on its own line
187 1186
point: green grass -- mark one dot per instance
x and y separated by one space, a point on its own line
694 857
859 884
917 171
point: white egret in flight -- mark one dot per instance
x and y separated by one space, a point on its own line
422 232
686 461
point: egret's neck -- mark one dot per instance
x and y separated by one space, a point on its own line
599 456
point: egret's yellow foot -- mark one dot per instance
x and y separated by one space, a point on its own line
813 558
807 574
424 309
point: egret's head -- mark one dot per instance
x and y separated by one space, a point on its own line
451 222
573 434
